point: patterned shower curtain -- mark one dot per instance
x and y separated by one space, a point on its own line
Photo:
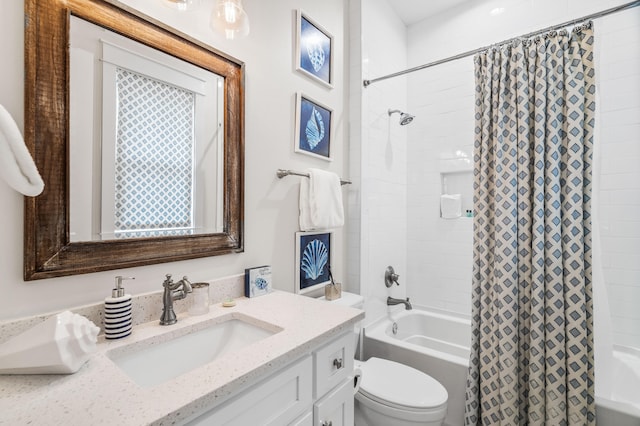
532 343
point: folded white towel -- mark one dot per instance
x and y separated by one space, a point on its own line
450 206
16 165
321 201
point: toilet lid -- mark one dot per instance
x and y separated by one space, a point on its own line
395 384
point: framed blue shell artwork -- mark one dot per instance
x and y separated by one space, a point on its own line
313 258
314 50
313 128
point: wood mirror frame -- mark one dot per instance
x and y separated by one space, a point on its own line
48 251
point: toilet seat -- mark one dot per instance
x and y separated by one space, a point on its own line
399 386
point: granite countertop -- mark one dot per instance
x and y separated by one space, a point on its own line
101 393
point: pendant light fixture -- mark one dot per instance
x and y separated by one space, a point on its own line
229 19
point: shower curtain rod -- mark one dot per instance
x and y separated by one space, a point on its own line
600 14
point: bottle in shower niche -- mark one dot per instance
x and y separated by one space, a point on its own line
117 312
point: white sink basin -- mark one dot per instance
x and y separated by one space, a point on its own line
156 360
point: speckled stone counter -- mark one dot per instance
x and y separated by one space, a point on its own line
102 394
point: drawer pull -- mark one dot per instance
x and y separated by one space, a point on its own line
327 423
338 364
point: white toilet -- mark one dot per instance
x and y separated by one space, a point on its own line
392 393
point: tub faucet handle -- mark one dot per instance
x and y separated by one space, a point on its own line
390 277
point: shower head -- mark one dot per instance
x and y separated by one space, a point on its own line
404 117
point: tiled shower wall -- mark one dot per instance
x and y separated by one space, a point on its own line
382 152
440 256
619 77
439 251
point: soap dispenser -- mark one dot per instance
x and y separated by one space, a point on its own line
117 312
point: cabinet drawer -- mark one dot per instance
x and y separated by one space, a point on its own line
278 400
333 363
335 409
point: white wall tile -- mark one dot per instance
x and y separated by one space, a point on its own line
384 154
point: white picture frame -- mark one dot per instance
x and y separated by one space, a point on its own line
313 52
313 128
257 281
313 259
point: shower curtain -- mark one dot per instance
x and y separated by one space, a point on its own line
532 342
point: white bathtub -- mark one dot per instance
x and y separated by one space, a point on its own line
438 344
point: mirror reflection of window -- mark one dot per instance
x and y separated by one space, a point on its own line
146 140
154 155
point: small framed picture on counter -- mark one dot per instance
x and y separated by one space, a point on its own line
257 281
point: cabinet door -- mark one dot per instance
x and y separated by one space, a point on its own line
305 420
333 363
278 400
335 409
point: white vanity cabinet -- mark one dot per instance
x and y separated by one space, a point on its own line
316 389
336 408
333 383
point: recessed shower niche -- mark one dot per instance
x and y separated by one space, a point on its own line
456 186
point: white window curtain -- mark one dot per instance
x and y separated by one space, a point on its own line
154 154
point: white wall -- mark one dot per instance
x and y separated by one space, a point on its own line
440 256
271 205
383 152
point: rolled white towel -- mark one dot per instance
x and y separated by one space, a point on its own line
16 164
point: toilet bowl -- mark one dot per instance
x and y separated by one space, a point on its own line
395 394
391 393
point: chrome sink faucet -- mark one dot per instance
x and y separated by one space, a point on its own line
391 301
173 291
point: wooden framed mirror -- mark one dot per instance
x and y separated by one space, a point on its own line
49 250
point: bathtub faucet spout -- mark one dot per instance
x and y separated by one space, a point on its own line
391 301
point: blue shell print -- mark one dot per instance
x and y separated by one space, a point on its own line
315 54
315 122
315 129
314 259
315 51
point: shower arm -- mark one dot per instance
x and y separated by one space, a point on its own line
405 118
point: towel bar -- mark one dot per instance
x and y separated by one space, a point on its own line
282 173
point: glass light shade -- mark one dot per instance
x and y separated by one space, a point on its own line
229 19
181 5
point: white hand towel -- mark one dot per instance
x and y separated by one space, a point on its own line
305 209
16 165
450 206
321 201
